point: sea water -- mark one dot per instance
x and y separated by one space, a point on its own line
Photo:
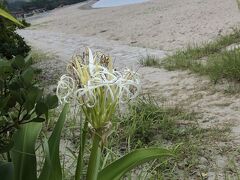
112 3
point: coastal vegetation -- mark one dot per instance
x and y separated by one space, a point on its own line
218 59
28 6
11 43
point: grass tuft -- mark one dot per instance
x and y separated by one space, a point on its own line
211 59
149 125
150 60
38 56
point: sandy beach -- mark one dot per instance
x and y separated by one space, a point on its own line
158 24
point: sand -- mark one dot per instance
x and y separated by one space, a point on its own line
159 24
154 28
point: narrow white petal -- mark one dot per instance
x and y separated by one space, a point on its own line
91 62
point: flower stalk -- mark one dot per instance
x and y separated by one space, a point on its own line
94 160
78 172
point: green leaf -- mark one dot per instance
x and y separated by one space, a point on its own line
6 170
19 96
52 168
94 159
41 108
23 151
33 95
123 165
18 62
38 119
28 76
52 101
1 84
6 147
28 60
11 102
3 103
5 67
15 84
9 17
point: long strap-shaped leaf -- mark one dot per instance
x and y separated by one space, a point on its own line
52 168
121 166
9 17
6 170
23 151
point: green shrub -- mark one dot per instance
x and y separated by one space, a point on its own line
11 44
25 24
21 101
27 6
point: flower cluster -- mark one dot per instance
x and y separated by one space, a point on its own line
97 87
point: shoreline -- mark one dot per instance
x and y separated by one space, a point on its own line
88 4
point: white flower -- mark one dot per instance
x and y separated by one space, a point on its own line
97 87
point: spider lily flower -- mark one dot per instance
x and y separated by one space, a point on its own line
97 87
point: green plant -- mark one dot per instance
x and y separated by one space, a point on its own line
150 61
183 58
8 16
99 89
38 56
11 43
238 3
27 6
224 66
212 59
25 24
148 124
21 100
148 119
24 165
